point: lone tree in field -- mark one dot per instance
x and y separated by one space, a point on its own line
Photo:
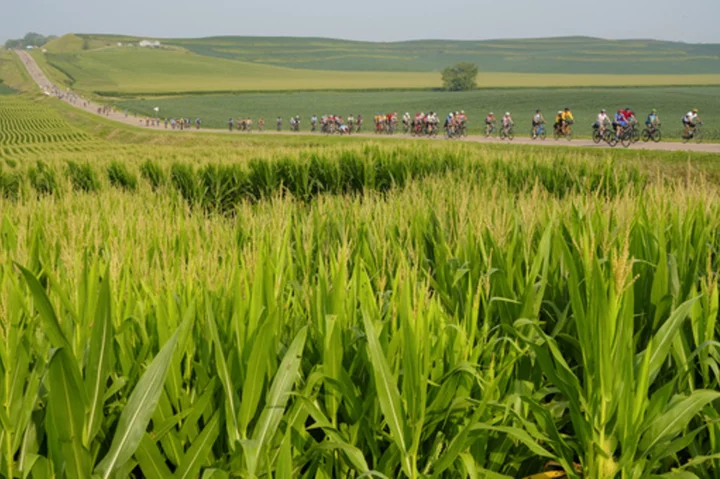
460 77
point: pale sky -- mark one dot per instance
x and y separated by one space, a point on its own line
379 20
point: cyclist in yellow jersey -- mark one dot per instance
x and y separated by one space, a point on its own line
567 119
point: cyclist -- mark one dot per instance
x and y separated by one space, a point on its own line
602 121
507 123
462 121
406 121
620 122
690 121
652 121
537 120
449 122
279 123
350 123
230 124
489 123
567 121
197 123
359 123
558 121
261 124
313 123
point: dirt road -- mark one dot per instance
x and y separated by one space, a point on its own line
50 89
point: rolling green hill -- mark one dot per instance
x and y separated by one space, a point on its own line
549 55
577 55
97 64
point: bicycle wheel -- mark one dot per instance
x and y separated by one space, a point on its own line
646 135
612 141
684 137
511 135
627 139
556 134
656 136
635 135
698 135
542 134
596 136
533 135
569 134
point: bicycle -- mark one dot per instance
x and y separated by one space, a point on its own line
508 133
560 133
694 134
652 133
490 130
539 132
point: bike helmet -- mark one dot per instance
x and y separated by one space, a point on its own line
603 110
695 110
654 110
462 112
559 112
491 114
507 113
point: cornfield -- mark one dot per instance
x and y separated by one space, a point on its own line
473 313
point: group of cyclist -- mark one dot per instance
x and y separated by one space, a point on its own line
625 122
245 124
455 124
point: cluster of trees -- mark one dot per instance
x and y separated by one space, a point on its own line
461 77
29 40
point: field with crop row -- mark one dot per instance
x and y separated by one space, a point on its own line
272 308
23 122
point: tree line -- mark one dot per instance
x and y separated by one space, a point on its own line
29 40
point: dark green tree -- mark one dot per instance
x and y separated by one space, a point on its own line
461 77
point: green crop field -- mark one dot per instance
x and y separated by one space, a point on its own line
219 306
578 55
672 103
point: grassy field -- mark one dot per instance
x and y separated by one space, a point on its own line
672 103
137 71
576 55
296 307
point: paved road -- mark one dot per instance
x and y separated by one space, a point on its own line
50 89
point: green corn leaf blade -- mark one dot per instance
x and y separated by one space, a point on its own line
215 474
200 449
51 325
519 435
99 360
151 460
675 420
277 399
354 455
660 345
284 465
255 377
138 411
388 394
226 380
67 402
675 475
